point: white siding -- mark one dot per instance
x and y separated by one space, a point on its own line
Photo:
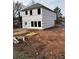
48 18
28 18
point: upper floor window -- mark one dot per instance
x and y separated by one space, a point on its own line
39 11
26 12
30 12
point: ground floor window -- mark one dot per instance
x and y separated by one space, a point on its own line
32 24
39 23
25 23
35 23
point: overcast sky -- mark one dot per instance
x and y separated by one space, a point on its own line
49 3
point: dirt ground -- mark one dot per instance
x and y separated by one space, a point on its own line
47 44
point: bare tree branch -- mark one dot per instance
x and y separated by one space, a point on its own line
17 6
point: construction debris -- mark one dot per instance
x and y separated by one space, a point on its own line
15 41
20 32
31 34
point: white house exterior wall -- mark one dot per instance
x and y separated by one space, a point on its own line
28 18
48 18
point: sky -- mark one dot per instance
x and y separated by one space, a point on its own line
48 3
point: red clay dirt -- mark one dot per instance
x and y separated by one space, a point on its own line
47 44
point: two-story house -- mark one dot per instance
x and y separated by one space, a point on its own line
37 16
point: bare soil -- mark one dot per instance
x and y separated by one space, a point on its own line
47 44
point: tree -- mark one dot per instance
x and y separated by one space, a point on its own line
17 19
57 10
17 6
